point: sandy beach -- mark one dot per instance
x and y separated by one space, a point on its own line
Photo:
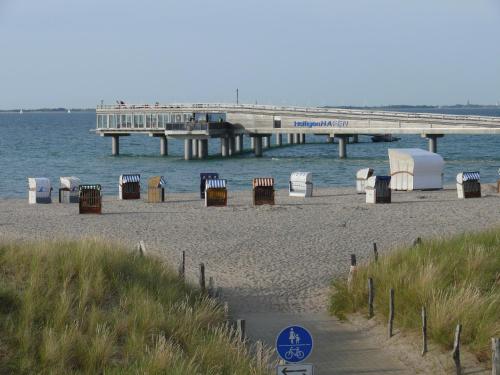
266 259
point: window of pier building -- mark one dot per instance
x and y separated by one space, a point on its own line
102 121
112 121
138 120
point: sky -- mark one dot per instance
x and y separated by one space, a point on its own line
67 53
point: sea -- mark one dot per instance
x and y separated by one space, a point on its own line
54 144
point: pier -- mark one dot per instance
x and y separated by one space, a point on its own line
197 124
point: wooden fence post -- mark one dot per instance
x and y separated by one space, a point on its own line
211 287
352 270
240 329
259 353
182 265
141 248
495 356
371 292
417 241
202 277
391 311
375 252
424 330
456 350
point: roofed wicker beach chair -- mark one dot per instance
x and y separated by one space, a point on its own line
156 189
361 177
468 185
90 199
216 193
68 189
378 189
203 178
130 186
300 184
40 190
263 191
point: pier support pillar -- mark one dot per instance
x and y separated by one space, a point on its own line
239 143
289 139
224 146
115 145
188 149
163 146
433 141
279 139
195 148
202 148
232 145
355 138
343 146
267 141
252 143
258 146
329 139
302 138
296 138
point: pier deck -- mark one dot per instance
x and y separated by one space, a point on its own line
229 122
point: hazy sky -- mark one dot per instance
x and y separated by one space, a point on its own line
311 52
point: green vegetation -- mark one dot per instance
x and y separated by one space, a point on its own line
90 307
457 279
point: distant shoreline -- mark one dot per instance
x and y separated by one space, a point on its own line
382 107
47 110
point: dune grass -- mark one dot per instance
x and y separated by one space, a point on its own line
456 279
90 307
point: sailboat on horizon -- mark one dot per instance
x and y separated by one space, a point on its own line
21 111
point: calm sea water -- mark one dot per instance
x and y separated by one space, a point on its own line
61 144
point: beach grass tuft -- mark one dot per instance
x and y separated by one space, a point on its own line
93 307
456 279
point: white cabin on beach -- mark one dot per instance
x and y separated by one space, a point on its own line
415 169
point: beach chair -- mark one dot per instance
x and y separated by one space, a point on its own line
378 189
468 185
130 186
216 193
90 199
156 189
40 190
361 177
300 184
263 191
68 189
203 178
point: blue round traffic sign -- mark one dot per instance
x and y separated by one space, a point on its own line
294 344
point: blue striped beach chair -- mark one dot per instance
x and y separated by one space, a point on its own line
468 185
216 193
130 186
